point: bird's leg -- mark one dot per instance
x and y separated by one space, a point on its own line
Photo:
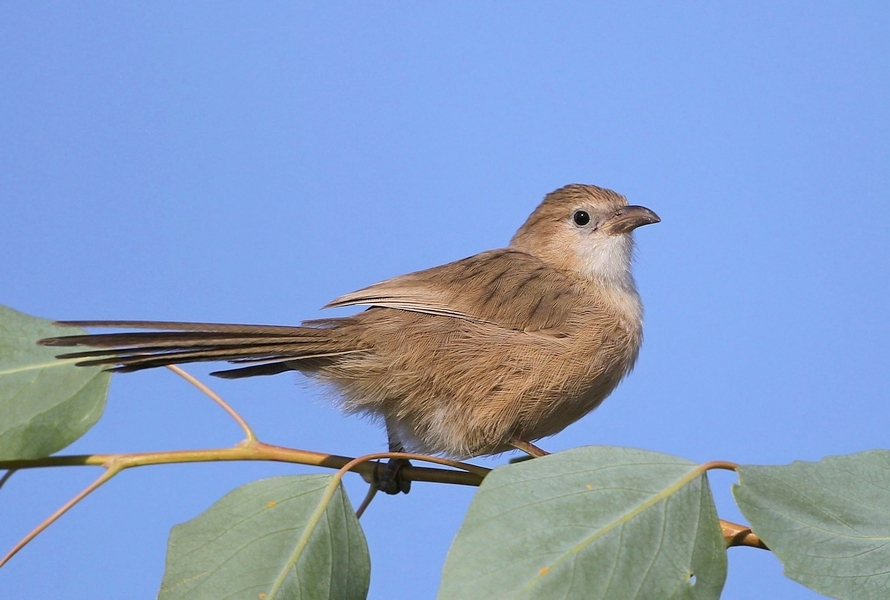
527 447
389 481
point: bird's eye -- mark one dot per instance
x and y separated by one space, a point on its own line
581 218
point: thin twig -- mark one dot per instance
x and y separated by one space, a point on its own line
257 451
372 491
251 436
111 472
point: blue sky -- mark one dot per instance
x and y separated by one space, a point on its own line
241 162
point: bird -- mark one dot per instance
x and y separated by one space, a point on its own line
474 357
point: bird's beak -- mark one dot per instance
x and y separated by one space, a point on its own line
628 218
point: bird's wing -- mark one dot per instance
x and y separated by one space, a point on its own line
475 288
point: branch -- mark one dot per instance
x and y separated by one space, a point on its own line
366 466
257 451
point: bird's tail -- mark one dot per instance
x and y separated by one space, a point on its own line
276 348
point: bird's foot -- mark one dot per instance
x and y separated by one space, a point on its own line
390 481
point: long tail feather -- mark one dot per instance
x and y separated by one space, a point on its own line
280 348
266 369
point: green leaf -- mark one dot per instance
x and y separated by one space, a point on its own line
828 522
594 522
280 538
46 403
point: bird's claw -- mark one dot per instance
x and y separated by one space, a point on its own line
390 481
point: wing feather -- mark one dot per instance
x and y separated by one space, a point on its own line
472 289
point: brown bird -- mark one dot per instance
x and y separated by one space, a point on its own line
473 357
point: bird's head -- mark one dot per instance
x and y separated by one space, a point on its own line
585 230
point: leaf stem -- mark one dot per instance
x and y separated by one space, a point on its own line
248 432
372 491
6 476
724 465
740 535
108 474
733 533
